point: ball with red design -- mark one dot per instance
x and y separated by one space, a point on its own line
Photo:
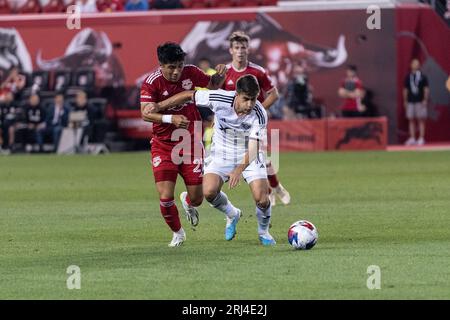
302 235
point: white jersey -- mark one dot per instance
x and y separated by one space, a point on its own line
232 132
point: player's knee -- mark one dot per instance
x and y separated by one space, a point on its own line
262 201
196 202
210 194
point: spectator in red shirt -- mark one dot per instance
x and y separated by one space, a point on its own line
352 92
109 5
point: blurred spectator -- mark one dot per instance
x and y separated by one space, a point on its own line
352 91
8 117
35 120
87 6
415 99
205 65
167 4
14 83
109 5
56 120
298 96
93 115
275 112
136 5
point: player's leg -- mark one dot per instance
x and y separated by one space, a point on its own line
212 185
411 124
165 173
260 192
193 197
169 210
276 187
421 117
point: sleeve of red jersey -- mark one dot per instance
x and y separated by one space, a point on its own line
266 82
200 78
148 93
359 84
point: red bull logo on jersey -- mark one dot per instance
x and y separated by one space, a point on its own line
187 84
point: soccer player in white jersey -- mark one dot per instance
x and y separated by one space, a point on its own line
239 130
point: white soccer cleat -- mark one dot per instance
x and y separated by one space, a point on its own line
410 142
178 238
272 197
190 211
420 142
282 194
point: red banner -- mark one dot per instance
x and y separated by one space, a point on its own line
357 134
300 135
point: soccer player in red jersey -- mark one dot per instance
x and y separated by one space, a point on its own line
239 66
168 158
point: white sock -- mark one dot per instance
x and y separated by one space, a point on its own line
222 203
263 216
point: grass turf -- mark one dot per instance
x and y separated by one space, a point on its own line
102 214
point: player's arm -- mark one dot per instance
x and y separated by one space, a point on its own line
151 108
178 120
271 98
249 157
218 78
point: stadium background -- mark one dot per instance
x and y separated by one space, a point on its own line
370 207
120 49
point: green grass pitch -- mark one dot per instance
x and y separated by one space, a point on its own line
102 214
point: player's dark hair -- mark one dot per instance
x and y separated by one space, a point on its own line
248 85
238 36
352 67
170 52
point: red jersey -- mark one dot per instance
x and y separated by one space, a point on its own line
264 81
351 104
156 88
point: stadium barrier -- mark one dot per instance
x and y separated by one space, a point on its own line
332 134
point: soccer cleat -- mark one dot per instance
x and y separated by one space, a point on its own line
267 240
190 211
410 142
230 228
420 142
178 238
272 197
283 194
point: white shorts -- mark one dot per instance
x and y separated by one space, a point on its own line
416 110
255 170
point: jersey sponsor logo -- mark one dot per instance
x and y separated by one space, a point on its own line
230 82
246 126
187 84
156 161
165 93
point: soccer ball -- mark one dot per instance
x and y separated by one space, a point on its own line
302 235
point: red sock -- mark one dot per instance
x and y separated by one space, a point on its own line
169 212
273 180
188 201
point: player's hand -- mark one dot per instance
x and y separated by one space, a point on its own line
180 121
150 108
234 178
221 69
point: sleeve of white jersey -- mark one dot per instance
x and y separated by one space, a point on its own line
201 99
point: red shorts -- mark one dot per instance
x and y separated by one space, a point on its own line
164 169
